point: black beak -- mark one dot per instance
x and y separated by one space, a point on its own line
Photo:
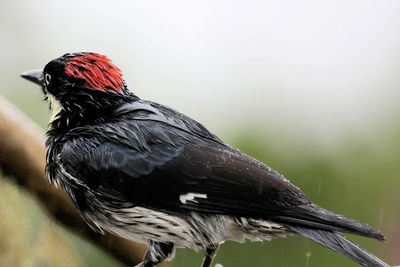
35 76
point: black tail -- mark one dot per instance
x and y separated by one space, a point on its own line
340 244
323 227
315 217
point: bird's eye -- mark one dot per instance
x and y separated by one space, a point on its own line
47 78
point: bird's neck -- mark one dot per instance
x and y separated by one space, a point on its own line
77 110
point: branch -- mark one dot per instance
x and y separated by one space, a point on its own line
22 153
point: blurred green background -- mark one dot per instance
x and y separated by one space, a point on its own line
310 88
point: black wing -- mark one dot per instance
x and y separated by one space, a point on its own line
155 157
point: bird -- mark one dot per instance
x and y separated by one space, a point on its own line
148 173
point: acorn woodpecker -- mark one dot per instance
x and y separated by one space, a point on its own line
150 174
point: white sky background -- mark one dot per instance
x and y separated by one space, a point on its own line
313 68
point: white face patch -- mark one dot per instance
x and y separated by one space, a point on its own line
191 197
55 107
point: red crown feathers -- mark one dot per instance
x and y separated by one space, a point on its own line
97 70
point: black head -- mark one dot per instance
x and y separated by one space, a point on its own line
78 70
78 83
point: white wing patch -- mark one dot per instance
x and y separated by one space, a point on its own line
191 197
